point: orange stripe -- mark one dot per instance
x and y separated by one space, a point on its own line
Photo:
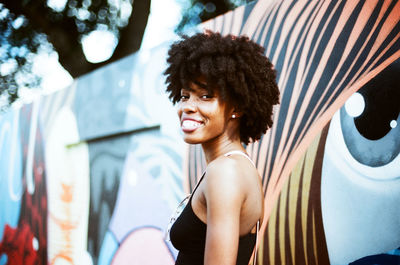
270 13
296 49
358 27
294 46
301 148
256 15
349 6
238 20
392 17
292 20
209 24
227 23
261 22
262 156
274 174
218 23
275 26
326 117
304 59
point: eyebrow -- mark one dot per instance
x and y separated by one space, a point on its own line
202 85
199 84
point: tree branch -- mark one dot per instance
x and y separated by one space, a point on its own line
65 38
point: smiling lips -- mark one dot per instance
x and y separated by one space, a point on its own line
189 125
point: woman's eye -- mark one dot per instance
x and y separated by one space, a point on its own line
184 97
206 96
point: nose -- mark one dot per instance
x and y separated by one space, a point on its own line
189 106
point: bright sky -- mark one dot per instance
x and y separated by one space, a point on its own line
164 16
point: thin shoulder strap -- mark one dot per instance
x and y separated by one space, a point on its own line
198 183
256 246
237 152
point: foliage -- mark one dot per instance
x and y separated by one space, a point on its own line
18 44
197 11
30 26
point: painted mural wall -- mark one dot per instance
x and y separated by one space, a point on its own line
330 163
91 174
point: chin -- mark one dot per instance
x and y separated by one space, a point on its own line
191 140
194 138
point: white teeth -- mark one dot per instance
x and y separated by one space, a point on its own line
189 124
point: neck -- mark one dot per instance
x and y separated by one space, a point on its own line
220 146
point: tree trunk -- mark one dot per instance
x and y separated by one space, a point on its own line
65 38
131 36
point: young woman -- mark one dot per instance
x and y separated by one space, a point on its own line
225 89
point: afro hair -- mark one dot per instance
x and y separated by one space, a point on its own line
236 66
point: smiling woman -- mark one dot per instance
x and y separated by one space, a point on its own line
202 113
225 89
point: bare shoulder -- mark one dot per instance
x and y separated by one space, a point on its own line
224 169
231 186
226 177
233 168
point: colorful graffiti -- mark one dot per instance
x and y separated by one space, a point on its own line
86 187
90 174
68 181
324 52
26 202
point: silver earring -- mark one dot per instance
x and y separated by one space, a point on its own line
233 116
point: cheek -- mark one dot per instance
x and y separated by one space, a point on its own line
215 109
178 110
218 118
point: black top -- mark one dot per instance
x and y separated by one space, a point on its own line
188 235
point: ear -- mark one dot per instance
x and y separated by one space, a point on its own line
236 114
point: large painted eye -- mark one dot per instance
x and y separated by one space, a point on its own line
360 181
370 123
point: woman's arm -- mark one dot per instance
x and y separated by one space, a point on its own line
224 194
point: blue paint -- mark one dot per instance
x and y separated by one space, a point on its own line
3 259
108 249
10 171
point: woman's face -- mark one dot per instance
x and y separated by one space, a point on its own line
203 116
